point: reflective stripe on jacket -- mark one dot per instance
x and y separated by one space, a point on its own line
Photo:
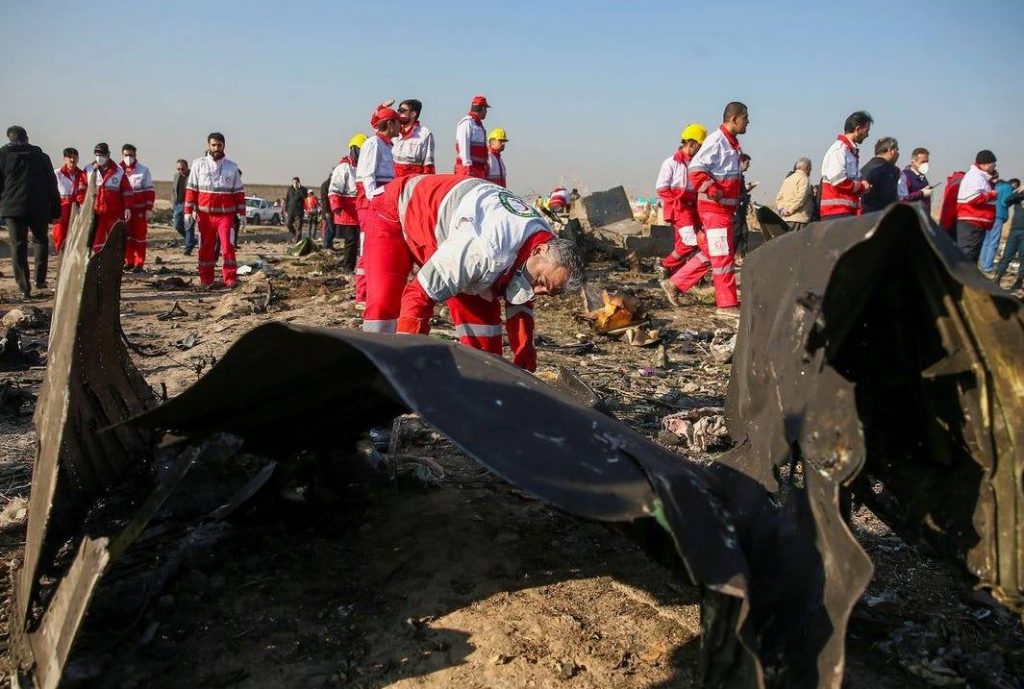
215 187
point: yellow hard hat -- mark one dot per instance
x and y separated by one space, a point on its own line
357 141
694 132
497 133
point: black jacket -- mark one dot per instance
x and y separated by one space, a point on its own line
28 186
884 178
178 188
294 199
325 192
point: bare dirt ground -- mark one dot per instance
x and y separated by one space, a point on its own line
468 583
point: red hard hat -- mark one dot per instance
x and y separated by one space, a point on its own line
480 100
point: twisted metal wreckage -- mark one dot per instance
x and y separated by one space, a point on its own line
872 359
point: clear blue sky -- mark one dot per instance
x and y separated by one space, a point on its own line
592 94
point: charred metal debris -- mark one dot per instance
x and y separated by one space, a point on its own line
872 361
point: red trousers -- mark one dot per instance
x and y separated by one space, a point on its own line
717 249
214 227
477 323
388 263
103 224
135 248
365 217
60 234
61 226
680 253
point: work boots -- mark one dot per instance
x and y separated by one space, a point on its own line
671 292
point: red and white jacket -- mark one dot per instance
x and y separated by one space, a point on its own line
841 185
470 237
376 168
113 190
715 170
144 196
71 185
496 169
471 147
413 152
559 198
976 200
215 187
677 193
342 193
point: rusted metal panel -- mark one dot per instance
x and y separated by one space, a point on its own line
90 384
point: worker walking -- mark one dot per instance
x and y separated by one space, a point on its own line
496 141
216 195
71 185
294 201
471 157
143 198
113 197
679 205
342 196
311 207
976 205
28 201
717 174
413 148
477 246
841 184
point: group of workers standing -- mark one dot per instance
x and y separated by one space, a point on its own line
478 248
471 243
701 187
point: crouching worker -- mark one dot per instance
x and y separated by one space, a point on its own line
478 245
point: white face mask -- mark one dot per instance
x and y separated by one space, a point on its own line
129 160
923 168
519 290
101 160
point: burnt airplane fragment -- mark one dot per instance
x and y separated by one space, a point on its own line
879 320
90 384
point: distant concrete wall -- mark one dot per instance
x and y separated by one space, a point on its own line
604 208
267 191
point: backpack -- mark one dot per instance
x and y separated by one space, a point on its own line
947 214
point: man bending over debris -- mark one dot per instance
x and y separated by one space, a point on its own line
477 245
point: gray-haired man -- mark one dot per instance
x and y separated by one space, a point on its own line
795 200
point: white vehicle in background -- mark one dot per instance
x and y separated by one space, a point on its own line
259 210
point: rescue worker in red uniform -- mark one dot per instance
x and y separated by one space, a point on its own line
976 205
376 167
342 197
471 141
841 185
477 245
310 207
216 195
558 201
113 195
496 172
143 198
679 206
413 148
71 185
717 174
